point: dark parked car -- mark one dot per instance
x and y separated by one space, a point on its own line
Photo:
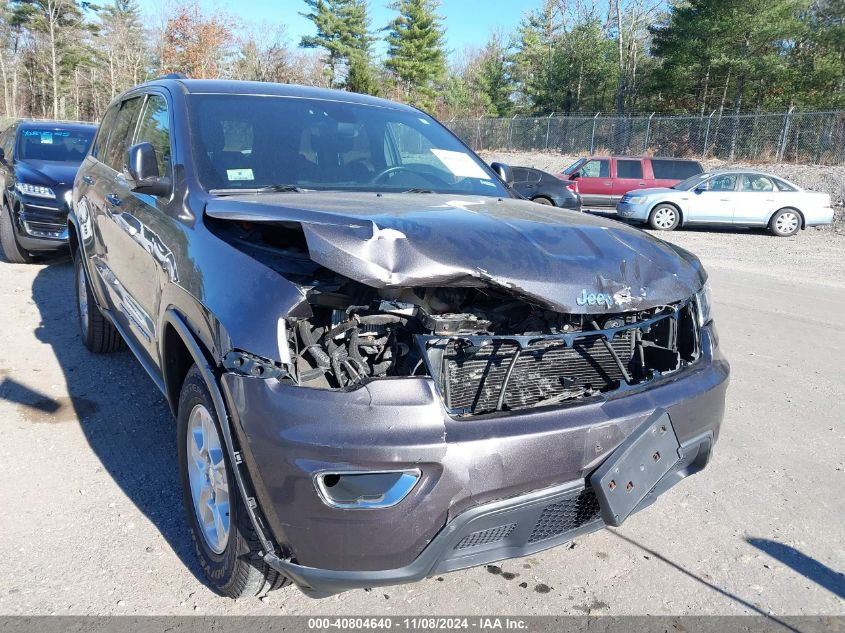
383 364
38 161
603 180
544 188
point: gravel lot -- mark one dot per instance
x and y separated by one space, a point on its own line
826 178
91 519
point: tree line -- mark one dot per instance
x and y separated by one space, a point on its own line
68 58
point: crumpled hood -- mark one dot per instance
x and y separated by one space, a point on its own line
46 172
561 259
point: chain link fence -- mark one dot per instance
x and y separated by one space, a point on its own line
799 137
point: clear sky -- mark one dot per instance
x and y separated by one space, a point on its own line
467 22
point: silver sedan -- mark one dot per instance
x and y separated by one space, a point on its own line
736 197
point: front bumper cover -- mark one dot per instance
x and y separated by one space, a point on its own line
479 465
495 531
633 211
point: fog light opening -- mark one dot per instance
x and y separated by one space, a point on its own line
365 490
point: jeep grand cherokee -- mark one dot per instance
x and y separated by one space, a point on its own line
383 363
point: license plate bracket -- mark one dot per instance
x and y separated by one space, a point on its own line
634 468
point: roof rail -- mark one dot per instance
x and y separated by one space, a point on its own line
173 76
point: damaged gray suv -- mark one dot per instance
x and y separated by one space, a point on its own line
383 363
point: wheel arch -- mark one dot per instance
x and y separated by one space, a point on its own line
179 349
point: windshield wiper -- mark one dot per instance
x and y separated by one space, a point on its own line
419 190
266 189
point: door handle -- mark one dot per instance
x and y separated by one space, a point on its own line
113 199
642 184
724 199
88 180
608 184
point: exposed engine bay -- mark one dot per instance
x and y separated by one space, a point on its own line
487 349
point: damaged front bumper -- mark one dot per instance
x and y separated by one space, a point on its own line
485 483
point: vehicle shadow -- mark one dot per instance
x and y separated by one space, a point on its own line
724 592
124 417
808 567
696 228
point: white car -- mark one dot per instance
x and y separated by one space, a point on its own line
737 197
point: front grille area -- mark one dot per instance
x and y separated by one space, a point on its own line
565 516
545 369
482 374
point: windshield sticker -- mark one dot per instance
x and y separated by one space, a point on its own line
239 174
47 138
460 164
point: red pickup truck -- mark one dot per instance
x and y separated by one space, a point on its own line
603 180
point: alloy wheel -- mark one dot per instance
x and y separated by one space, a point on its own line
208 479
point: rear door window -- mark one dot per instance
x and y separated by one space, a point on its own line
599 168
756 183
629 169
121 134
669 169
520 174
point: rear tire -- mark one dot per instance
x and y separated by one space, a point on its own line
97 332
664 217
542 200
9 241
228 548
785 223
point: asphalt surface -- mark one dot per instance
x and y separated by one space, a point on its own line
91 518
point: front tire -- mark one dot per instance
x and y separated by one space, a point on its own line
542 200
785 223
664 217
225 542
9 241
96 331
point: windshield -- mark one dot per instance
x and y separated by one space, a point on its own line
690 183
250 142
573 167
55 144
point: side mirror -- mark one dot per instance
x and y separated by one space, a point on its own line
575 175
504 171
2 155
701 189
143 171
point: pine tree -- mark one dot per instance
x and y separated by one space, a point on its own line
415 50
343 31
494 78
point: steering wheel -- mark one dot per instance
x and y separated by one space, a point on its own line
391 170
